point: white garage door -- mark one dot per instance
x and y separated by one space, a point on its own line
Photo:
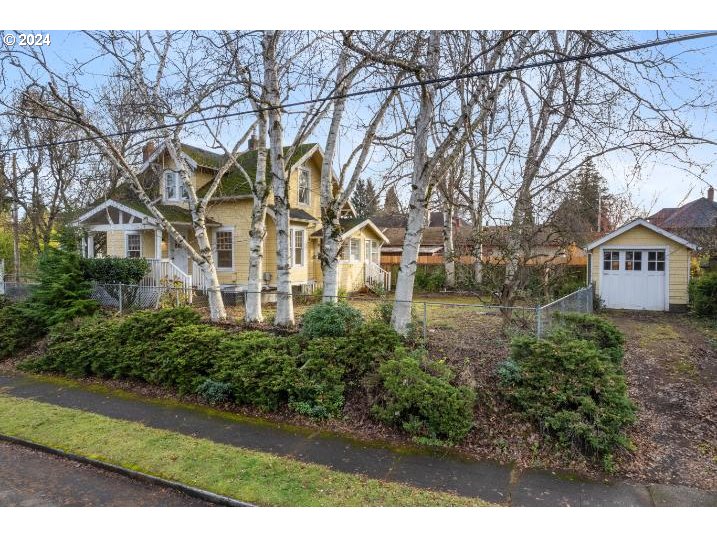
634 279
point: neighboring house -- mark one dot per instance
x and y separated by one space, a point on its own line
122 226
696 221
640 266
546 247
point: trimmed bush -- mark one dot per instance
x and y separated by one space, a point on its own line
703 293
573 390
318 388
214 392
417 395
17 329
186 356
604 334
331 320
123 270
260 367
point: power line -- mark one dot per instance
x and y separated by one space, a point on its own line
395 87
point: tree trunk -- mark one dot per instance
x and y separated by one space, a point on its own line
257 233
418 204
280 185
449 262
15 225
330 262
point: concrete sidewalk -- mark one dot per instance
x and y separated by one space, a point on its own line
486 480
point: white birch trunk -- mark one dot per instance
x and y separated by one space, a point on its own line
280 185
418 204
257 232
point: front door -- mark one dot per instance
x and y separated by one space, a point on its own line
178 255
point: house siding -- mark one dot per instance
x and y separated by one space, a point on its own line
351 274
640 237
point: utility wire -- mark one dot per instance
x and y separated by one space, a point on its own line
405 85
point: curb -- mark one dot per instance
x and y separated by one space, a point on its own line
201 494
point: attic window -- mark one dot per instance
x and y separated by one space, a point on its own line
304 187
174 189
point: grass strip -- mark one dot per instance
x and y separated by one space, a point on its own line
250 476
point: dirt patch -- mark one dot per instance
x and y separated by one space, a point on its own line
671 369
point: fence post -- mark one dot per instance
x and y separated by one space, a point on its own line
425 323
538 321
120 298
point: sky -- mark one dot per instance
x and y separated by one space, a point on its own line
660 183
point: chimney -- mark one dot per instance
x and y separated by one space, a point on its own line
252 143
711 193
147 150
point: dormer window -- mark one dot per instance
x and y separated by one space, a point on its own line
304 187
174 189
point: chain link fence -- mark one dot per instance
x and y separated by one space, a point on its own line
580 301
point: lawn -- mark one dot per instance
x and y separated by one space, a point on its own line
247 475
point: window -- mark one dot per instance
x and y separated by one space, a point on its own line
304 187
611 260
297 246
633 260
134 245
371 251
174 186
354 250
225 249
656 261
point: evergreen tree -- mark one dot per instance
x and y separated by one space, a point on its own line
584 207
364 199
391 205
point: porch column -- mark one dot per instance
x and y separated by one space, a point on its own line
90 245
158 243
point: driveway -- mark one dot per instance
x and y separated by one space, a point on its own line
31 478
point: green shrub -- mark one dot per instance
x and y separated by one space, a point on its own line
318 388
331 320
703 294
124 270
139 337
214 392
185 356
604 334
17 330
572 389
82 347
260 367
365 349
430 278
424 403
62 293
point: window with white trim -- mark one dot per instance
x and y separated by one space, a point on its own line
134 245
611 260
297 246
656 261
174 188
225 248
304 186
354 250
371 251
633 260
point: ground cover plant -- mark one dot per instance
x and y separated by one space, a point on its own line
572 387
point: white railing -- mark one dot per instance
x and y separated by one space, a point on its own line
163 272
200 277
375 277
2 276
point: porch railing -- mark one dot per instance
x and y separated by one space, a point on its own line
200 277
375 277
164 272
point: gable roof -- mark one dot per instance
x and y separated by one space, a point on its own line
234 183
352 225
700 213
644 223
174 213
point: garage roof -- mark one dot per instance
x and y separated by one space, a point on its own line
644 223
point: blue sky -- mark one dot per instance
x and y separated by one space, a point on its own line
661 182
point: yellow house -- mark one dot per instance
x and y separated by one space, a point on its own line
640 266
122 226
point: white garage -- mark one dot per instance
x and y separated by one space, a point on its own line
640 266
